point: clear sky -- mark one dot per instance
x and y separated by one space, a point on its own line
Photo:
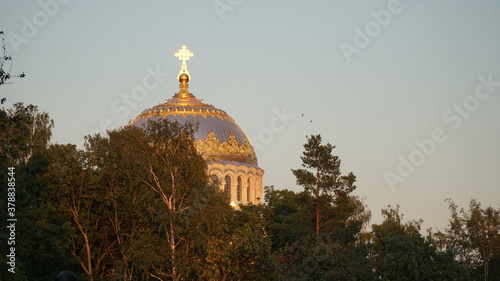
407 91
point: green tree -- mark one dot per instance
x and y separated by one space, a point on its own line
165 160
474 236
322 179
399 252
289 216
316 232
322 259
45 222
135 205
63 212
242 250
128 206
24 131
158 201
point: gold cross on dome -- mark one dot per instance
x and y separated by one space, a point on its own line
184 54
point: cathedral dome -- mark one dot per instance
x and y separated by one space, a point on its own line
218 138
230 157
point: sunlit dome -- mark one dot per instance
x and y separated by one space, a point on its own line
218 136
231 159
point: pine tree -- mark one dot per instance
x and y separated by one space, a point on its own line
322 179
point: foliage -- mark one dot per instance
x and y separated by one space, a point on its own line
23 129
156 196
474 236
24 132
399 252
311 258
322 179
243 250
135 204
315 232
162 210
288 215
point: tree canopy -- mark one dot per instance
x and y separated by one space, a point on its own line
137 204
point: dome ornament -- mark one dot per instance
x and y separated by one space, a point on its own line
184 54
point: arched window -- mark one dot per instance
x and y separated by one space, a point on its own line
248 190
215 181
227 186
238 190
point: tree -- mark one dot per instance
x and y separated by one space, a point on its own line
45 223
127 206
158 201
242 250
6 65
322 179
23 129
105 210
69 196
165 160
315 232
61 208
483 226
399 252
289 216
474 236
322 259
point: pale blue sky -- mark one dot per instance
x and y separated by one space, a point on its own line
83 58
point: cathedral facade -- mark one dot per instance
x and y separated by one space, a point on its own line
230 157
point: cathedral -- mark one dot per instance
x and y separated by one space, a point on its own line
232 163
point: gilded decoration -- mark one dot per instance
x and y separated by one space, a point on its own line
184 112
183 55
212 145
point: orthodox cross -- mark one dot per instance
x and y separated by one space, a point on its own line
184 54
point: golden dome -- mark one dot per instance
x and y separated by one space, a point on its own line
219 138
231 161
